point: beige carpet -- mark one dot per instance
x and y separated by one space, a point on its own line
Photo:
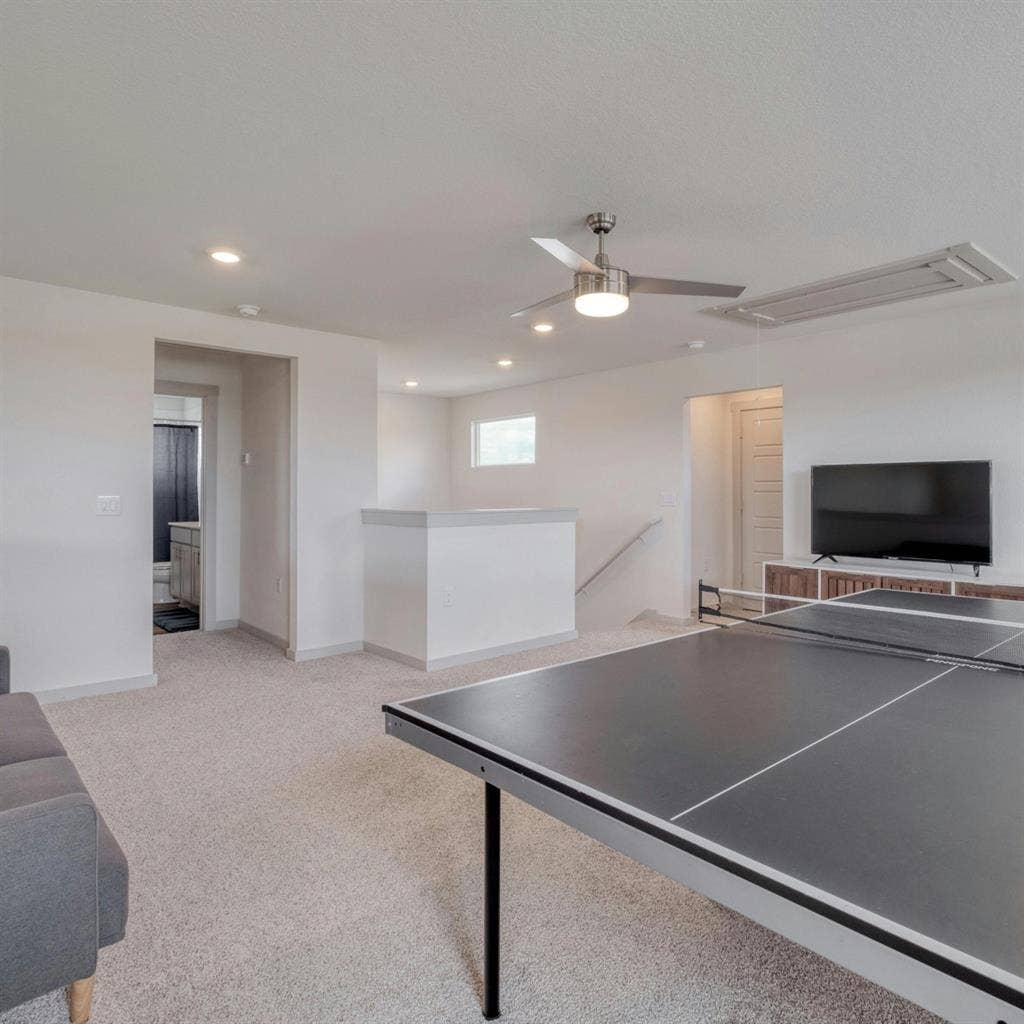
291 864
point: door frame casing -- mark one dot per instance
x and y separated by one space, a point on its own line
209 393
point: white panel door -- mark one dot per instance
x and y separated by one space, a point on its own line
760 496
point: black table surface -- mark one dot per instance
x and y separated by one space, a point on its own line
941 604
894 783
885 620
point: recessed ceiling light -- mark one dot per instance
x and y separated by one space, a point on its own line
696 344
224 255
410 384
543 328
505 362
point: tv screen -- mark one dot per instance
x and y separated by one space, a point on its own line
926 511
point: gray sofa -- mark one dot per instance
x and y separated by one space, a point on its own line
63 878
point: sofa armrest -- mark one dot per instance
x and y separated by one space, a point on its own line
48 913
5 670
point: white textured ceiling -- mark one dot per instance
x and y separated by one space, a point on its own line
382 165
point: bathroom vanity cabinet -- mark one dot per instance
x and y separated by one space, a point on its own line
186 563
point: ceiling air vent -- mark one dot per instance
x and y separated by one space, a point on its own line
959 266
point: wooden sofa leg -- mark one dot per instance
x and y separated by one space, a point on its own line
80 999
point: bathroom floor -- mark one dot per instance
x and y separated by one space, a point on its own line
157 631
173 606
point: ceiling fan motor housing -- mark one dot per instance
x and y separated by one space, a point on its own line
614 281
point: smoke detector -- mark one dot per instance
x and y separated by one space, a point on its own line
248 310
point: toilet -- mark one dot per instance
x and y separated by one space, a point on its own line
162 583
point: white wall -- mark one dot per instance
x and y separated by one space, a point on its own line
610 444
711 488
441 594
266 495
396 578
947 384
512 584
413 452
76 419
187 364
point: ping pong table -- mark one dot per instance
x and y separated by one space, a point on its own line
866 801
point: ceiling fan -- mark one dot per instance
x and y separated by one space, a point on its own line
599 289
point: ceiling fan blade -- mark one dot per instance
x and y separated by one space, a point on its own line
544 303
572 259
666 286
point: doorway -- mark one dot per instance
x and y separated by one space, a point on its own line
736 484
178 498
242 555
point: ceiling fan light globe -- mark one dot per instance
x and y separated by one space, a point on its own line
602 304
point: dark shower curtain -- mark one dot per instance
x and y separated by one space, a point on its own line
175 483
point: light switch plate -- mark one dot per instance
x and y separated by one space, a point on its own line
667 499
108 504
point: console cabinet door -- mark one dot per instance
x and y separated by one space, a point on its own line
790 580
917 586
839 584
997 590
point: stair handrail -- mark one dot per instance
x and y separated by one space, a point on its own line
638 539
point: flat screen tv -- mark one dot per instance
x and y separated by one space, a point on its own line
923 511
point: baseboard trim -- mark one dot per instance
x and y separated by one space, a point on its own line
262 634
224 624
653 615
312 653
496 652
387 652
482 654
62 693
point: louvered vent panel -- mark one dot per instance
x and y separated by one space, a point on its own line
959 266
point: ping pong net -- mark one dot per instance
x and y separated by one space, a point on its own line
933 627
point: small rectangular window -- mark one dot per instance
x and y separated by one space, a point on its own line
508 442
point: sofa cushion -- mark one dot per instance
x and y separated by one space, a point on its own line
48 900
30 782
25 735
49 777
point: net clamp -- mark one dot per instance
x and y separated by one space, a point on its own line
702 609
